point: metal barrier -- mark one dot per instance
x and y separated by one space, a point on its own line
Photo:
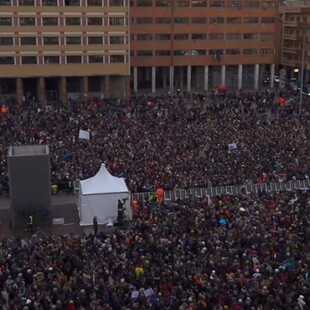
219 190
227 190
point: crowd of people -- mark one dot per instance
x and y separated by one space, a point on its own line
165 141
220 253
233 252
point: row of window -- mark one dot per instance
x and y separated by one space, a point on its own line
202 52
150 3
203 3
203 36
204 20
71 40
69 21
73 59
116 40
111 3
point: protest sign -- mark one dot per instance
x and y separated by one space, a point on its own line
83 134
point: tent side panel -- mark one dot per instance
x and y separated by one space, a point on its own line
103 206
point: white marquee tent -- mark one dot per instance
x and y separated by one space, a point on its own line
99 195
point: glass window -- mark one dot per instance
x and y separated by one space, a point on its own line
199 36
94 21
5 2
144 53
73 40
50 21
29 60
6 41
28 41
182 4
95 59
180 53
268 4
117 40
249 51
163 20
50 60
94 2
267 36
266 51
250 20
26 2
93 40
217 4
162 53
117 58
181 36
116 3
27 21
163 36
49 3
216 53
250 36
233 51
251 4
268 20
216 36
181 20
199 20
198 52
73 21
199 4
233 36
51 40
144 3
144 20
117 21
74 59
163 3
6 21
217 20
234 4
72 2
144 37
6 60
233 20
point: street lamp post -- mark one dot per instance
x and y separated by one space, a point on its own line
302 70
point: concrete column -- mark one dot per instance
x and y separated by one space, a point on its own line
19 90
107 86
41 91
135 79
223 75
171 79
256 76
63 90
272 73
85 87
240 77
206 78
153 80
189 78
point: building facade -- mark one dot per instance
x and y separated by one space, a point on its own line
199 44
61 49
295 40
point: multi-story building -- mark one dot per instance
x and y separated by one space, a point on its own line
295 40
198 44
60 49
